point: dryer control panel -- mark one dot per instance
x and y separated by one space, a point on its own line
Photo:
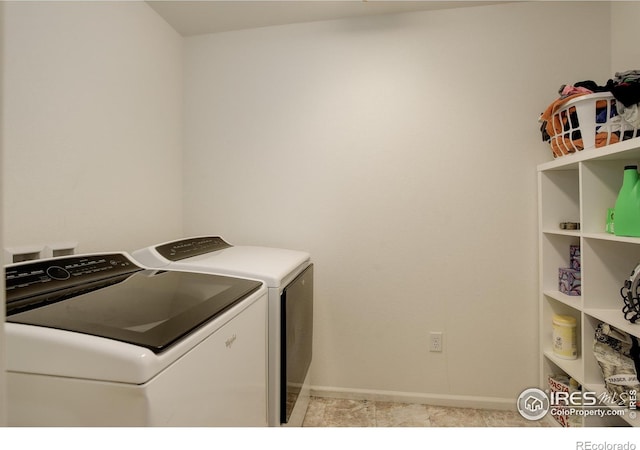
186 248
34 283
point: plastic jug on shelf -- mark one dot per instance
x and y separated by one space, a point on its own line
627 208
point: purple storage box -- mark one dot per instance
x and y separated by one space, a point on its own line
574 257
570 281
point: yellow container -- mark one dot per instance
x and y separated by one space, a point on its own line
564 337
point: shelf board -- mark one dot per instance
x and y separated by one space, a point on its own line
572 367
572 301
560 232
629 149
614 318
611 237
603 236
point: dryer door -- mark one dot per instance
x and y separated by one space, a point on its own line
296 339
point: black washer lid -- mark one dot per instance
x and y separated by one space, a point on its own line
147 308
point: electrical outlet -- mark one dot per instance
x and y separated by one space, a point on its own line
435 341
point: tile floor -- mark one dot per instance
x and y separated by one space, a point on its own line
336 412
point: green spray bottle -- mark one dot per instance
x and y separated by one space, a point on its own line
627 209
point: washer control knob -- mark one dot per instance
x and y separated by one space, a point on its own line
58 273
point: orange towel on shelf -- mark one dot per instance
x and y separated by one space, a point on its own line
554 126
564 145
603 139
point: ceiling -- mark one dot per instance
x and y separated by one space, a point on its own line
191 18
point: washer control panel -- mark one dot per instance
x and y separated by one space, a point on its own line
35 278
186 248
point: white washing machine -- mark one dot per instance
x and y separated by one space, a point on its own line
97 340
288 275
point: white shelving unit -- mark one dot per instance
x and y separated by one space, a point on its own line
580 188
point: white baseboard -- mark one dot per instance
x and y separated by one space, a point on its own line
458 401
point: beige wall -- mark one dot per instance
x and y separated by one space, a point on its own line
92 100
625 52
401 151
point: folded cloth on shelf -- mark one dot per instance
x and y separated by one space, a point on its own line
568 90
627 93
630 114
581 87
592 86
625 87
628 76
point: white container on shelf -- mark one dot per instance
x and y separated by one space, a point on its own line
564 337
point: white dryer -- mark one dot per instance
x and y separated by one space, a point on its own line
288 275
97 340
